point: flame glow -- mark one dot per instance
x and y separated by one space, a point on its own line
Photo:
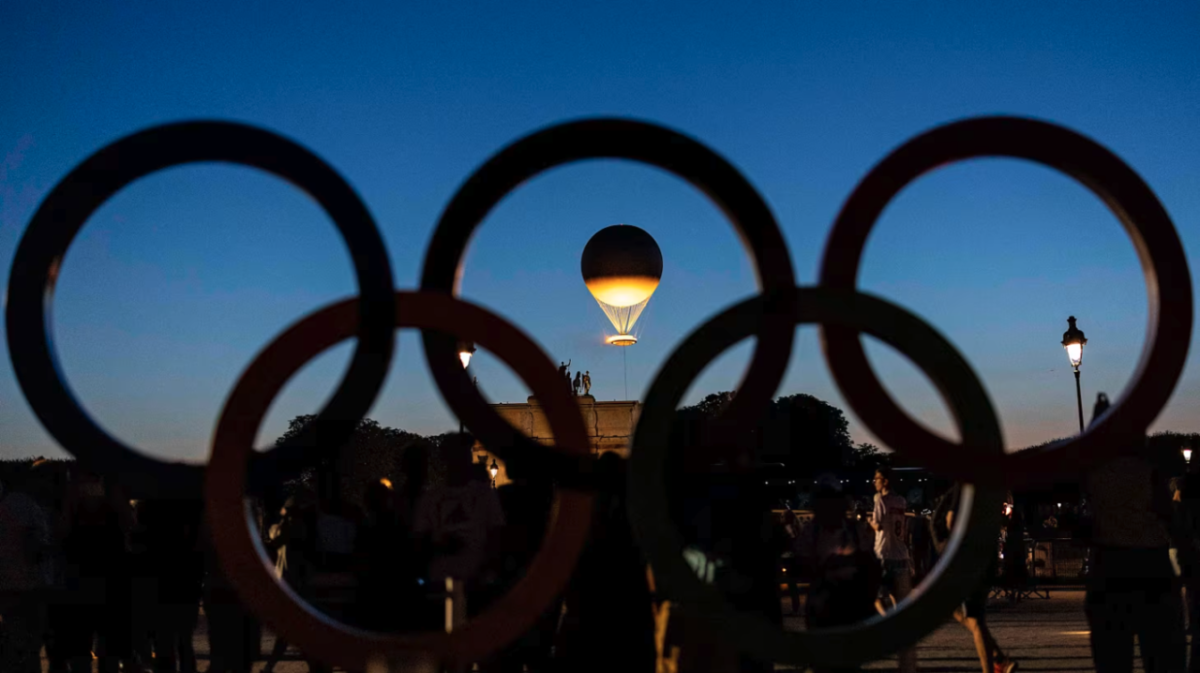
622 291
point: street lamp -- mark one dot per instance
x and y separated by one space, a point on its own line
465 350
1074 341
1187 455
494 469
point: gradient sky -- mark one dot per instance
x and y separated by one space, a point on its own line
176 282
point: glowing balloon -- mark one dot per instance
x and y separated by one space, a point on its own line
622 266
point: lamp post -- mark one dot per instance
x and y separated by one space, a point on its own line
465 350
1074 341
494 470
1187 455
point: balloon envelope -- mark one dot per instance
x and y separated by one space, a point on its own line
621 267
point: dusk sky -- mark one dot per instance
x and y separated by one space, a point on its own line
177 282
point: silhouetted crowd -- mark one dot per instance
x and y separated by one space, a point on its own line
1140 524
93 578
89 574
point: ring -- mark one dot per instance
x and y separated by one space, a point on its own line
39 256
1168 284
842 312
614 139
240 550
972 544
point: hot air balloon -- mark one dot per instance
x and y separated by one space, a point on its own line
622 266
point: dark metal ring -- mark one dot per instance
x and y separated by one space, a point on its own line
1168 284
615 139
60 217
238 544
974 539
771 317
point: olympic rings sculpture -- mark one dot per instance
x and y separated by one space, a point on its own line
835 304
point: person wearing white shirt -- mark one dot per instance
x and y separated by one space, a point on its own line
890 523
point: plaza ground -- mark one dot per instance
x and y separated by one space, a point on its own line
1042 634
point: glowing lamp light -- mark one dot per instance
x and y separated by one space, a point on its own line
1074 341
465 350
1075 353
1187 455
494 469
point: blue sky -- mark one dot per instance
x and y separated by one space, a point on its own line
177 281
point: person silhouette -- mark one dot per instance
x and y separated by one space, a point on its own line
24 539
609 624
527 500
890 523
93 543
386 566
415 468
171 534
291 539
1187 540
234 635
840 563
577 383
1132 587
788 541
460 521
972 614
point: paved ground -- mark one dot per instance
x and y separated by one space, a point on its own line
1043 635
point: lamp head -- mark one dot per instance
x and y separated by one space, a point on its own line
1074 341
465 350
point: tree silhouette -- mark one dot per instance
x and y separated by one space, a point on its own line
805 433
372 453
866 457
